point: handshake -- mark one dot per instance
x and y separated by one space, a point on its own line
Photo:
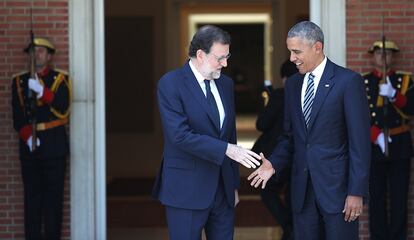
250 159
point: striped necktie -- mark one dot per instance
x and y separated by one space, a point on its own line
212 102
308 99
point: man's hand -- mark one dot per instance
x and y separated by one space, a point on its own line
380 141
353 208
236 197
243 156
36 86
29 143
387 90
263 174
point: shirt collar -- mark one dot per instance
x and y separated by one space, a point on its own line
318 71
197 74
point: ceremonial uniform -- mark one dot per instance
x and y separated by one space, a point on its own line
43 169
390 174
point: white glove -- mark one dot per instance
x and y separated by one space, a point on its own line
34 85
29 143
380 141
387 90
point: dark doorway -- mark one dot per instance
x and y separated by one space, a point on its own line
246 64
129 74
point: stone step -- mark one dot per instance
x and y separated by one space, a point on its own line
129 205
132 212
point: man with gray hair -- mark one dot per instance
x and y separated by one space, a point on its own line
326 141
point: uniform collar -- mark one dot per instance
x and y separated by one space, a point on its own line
43 72
378 73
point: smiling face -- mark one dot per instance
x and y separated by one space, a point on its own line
210 64
305 54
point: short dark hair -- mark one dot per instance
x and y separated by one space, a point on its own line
205 37
307 30
288 68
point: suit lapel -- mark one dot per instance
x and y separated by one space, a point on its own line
224 99
298 104
194 88
325 85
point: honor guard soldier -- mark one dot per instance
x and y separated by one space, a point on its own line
389 174
42 165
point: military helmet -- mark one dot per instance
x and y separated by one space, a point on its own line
42 42
390 45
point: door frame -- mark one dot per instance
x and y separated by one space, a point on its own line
87 125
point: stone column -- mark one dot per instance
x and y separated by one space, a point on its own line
330 16
87 125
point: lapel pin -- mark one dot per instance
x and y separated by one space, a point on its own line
326 85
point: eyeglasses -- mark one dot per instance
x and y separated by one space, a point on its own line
222 58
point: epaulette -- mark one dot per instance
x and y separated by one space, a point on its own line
20 74
365 73
61 71
403 72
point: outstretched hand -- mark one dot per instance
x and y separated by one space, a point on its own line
243 156
262 174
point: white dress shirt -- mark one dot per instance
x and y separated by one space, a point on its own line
317 72
214 91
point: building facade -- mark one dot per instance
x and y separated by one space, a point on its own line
77 28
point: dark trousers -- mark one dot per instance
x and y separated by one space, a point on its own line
313 223
280 210
43 181
389 178
217 220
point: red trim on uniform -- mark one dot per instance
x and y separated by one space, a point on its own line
378 73
47 96
25 132
400 100
375 131
43 72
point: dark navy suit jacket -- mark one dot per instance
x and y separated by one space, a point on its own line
335 150
194 146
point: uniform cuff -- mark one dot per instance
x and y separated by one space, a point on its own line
25 132
400 100
375 131
47 96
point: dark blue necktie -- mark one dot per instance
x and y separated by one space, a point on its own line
212 103
308 99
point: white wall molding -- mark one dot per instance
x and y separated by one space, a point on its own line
331 17
87 125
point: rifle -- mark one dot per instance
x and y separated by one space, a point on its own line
31 94
385 128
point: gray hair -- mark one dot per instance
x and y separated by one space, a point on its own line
307 30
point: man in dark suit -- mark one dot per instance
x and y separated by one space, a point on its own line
390 175
199 174
43 165
326 141
270 122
